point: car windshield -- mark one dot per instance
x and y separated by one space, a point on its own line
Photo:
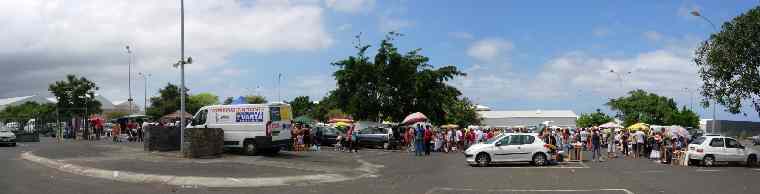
699 140
493 139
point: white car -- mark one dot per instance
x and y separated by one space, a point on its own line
7 137
710 149
510 147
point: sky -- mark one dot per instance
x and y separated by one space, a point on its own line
518 55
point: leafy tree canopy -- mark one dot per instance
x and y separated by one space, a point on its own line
301 106
392 85
73 95
650 108
166 103
729 63
593 119
198 101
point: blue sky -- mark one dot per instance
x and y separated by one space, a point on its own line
518 54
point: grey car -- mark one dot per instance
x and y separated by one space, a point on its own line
375 137
7 137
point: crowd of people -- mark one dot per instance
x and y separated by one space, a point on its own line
655 145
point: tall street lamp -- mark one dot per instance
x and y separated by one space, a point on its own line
129 99
181 63
715 104
691 97
620 76
145 94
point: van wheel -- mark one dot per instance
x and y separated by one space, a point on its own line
249 148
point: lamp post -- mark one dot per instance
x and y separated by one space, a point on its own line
715 29
181 63
620 76
691 98
129 99
145 94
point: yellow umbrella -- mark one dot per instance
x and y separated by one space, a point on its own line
342 124
639 126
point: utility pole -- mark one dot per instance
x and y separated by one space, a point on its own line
145 94
129 99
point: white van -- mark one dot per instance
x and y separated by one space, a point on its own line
253 127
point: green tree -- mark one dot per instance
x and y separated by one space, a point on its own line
650 108
685 118
301 106
28 110
166 103
729 63
198 101
392 84
461 112
593 119
255 99
74 94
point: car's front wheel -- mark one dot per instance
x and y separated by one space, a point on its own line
483 159
539 159
708 161
249 148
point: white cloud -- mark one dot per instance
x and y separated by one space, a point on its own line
351 6
576 75
44 40
344 27
601 32
653 36
490 49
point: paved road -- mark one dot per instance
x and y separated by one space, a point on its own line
404 173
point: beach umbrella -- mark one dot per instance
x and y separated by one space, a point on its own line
304 119
679 131
342 124
611 124
340 121
449 126
414 118
639 127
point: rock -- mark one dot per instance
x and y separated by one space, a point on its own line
161 139
203 143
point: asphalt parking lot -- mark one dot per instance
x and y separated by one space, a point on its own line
398 172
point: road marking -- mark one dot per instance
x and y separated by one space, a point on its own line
707 170
367 168
433 190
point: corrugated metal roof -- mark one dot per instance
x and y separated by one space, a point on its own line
8 101
528 113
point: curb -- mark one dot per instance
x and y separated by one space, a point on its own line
132 177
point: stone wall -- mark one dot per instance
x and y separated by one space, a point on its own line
161 139
204 143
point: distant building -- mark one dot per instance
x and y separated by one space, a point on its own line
15 101
123 106
527 118
106 105
731 128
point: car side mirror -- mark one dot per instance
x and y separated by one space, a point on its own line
497 143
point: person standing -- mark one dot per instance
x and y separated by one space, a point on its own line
419 133
611 145
584 138
640 137
624 141
596 142
428 138
355 139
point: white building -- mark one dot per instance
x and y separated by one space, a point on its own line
526 118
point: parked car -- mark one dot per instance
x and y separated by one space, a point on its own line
7 137
376 137
510 147
709 149
756 140
329 135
